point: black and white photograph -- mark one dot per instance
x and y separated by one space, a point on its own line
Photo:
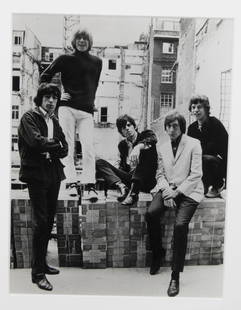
120 129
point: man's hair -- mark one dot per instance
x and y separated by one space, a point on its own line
82 33
122 121
203 100
175 115
46 89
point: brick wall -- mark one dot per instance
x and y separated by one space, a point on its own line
107 234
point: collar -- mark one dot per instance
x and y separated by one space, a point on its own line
43 113
177 141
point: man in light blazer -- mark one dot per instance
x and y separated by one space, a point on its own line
179 186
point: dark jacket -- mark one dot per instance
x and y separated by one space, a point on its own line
80 73
33 143
213 137
148 157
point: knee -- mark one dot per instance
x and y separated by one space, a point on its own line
180 227
209 159
152 216
100 162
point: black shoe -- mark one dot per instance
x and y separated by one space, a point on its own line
155 265
92 194
51 270
42 282
123 191
173 288
130 199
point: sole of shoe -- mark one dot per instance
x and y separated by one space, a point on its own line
93 199
42 287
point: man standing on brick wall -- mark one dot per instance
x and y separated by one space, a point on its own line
137 165
80 73
179 186
214 141
41 145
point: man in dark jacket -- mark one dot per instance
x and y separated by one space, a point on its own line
214 141
137 165
41 145
80 73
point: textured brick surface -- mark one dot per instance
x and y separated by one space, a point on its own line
68 234
21 214
107 234
126 240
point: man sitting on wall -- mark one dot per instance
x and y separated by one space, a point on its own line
137 165
179 186
214 141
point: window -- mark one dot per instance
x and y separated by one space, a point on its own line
14 142
167 48
15 112
103 114
46 57
225 97
17 40
166 100
112 64
16 83
166 76
51 56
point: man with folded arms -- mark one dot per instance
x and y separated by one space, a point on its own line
41 145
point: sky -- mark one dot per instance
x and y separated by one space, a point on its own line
106 30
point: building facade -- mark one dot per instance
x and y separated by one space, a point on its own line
121 90
26 55
163 49
205 64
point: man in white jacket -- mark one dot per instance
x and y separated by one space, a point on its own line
179 186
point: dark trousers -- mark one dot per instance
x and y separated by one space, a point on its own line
43 197
113 175
185 208
213 171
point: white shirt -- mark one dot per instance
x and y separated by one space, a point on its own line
49 123
50 126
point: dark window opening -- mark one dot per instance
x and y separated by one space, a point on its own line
103 114
16 83
112 64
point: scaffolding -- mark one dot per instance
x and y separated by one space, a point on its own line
70 22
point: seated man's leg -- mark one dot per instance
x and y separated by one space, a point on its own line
143 179
185 209
114 177
213 173
153 216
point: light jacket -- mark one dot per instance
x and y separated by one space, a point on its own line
184 170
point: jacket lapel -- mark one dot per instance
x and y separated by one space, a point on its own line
180 148
169 152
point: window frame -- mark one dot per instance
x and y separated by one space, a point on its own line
15 112
112 62
166 105
103 115
17 40
166 76
167 51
